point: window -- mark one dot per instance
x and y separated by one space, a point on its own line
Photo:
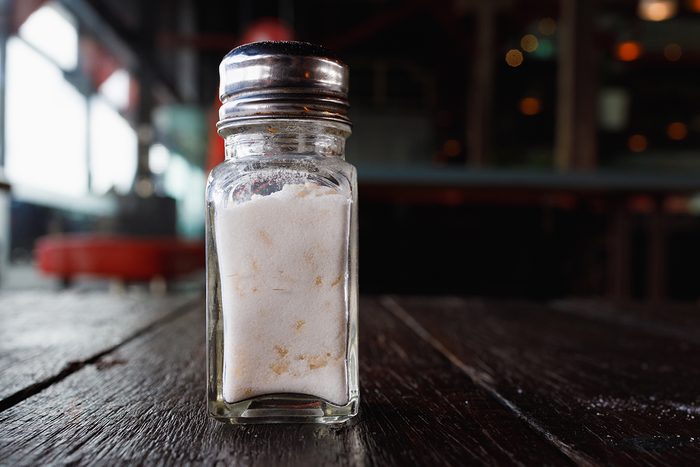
116 89
45 125
113 147
51 30
58 139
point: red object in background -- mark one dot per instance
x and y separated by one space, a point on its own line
118 257
267 29
97 61
216 149
23 10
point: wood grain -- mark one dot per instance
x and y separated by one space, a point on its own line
45 335
145 403
616 393
675 320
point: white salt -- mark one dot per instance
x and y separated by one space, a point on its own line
283 265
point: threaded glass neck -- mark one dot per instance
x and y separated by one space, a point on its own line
286 138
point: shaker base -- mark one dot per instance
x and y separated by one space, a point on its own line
283 408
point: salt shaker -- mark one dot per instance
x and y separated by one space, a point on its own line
282 241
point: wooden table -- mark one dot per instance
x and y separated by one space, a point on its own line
97 378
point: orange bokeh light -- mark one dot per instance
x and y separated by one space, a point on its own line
657 10
629 51
637 143
677 131
529 43
530 105
514 58
452 148
677 204
673 52
548 26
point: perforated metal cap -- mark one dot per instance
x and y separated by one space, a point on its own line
265 80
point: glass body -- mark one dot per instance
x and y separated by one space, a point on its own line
282 275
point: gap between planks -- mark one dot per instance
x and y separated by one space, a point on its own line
74 366
481 379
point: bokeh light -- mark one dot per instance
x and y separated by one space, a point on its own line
657 10
530 105
628 51
637 143
529 43
452 148
545 49
673 52
548 26
677 131
514 58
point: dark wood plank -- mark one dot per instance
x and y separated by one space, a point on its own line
617 393
677 320
45 334
419 409
147 405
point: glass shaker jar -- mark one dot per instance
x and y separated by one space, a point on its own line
282 241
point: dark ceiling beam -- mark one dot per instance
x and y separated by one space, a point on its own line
367 29
451 25
203 41
124 45
446 13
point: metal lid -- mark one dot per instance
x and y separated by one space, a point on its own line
264 80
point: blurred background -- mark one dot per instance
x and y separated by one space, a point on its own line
505 148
